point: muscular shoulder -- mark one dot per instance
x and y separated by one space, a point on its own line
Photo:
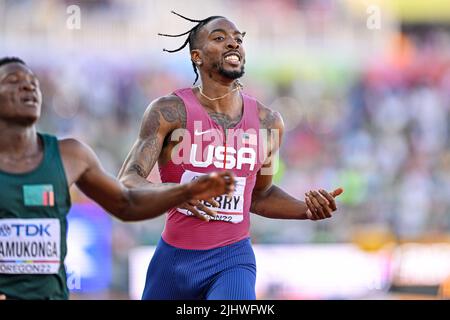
75 151
71 147
170 109
269 119
77 158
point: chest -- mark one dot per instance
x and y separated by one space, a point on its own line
206 147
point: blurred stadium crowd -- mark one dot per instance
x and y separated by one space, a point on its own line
365 109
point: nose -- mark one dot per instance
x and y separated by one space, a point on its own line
232 44
27 86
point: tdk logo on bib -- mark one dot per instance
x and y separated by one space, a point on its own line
27 230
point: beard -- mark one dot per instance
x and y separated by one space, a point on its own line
233 75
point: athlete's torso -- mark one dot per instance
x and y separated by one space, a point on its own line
207 147
33 227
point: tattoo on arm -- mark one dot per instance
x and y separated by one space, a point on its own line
175 113
268 119
137 168
147 152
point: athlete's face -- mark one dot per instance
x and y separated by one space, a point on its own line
20 95
220 49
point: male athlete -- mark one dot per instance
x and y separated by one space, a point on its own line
219 128
36 172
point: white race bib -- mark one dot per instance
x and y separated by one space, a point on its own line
231 207
30 246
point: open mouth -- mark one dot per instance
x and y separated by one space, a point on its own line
29 100
233 58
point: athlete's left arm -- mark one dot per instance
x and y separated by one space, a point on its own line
271 201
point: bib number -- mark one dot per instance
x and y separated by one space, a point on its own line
230 208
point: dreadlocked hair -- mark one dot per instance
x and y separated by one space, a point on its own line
6 60
192 35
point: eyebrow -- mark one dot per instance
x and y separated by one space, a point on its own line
19 73
222 30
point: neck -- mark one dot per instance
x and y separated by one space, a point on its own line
18 139
225 91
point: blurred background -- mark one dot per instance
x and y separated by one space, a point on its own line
364 89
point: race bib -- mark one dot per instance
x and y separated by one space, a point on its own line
30 246
231 207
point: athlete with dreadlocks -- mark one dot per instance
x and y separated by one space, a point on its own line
220 127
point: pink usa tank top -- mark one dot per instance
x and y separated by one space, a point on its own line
206 147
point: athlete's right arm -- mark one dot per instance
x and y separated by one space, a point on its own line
162 117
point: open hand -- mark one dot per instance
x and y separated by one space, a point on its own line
212 185
194 206
206 188
321 203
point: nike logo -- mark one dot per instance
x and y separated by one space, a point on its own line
199 133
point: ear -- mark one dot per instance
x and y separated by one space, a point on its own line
196 57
